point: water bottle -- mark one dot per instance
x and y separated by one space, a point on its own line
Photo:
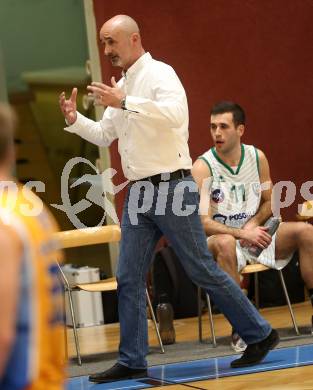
165 316
272 224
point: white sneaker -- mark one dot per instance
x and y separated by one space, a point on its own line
237 344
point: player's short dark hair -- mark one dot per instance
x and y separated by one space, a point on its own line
239 116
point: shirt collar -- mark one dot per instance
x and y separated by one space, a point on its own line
140 63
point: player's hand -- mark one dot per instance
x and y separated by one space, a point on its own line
69 106
255 236
105 95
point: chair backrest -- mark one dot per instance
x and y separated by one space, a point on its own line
88 236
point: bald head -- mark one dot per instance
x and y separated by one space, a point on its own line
7 126
120 36
124 23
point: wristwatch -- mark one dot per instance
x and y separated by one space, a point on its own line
123 103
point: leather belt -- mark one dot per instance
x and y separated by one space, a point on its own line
156 179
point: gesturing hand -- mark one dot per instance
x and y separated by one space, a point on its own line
105 95
68 106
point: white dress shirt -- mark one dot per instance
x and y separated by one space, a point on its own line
153 130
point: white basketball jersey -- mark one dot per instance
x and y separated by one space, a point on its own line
235 194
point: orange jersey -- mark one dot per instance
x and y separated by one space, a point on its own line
37 360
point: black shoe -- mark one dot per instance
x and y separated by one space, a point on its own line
255 353
118 372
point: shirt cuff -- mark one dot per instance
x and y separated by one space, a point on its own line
77 125
132 103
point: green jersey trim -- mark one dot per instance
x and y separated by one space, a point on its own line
226 165
207 163
257 159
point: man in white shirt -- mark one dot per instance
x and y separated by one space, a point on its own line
147 112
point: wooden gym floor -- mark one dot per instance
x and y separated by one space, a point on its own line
284 368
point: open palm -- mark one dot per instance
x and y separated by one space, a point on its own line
69 106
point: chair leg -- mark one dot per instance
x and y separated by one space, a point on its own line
256 290
70 298
288 302
154 322
214 343
211 320
67 288
199 316
65 329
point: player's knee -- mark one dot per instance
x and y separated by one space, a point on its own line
225 245
305 233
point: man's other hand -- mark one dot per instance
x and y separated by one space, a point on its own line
105 95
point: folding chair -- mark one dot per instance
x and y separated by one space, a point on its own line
248 269
305 214
90 236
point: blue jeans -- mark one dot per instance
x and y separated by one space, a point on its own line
140 234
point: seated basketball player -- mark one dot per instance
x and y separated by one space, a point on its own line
31 315
238 206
